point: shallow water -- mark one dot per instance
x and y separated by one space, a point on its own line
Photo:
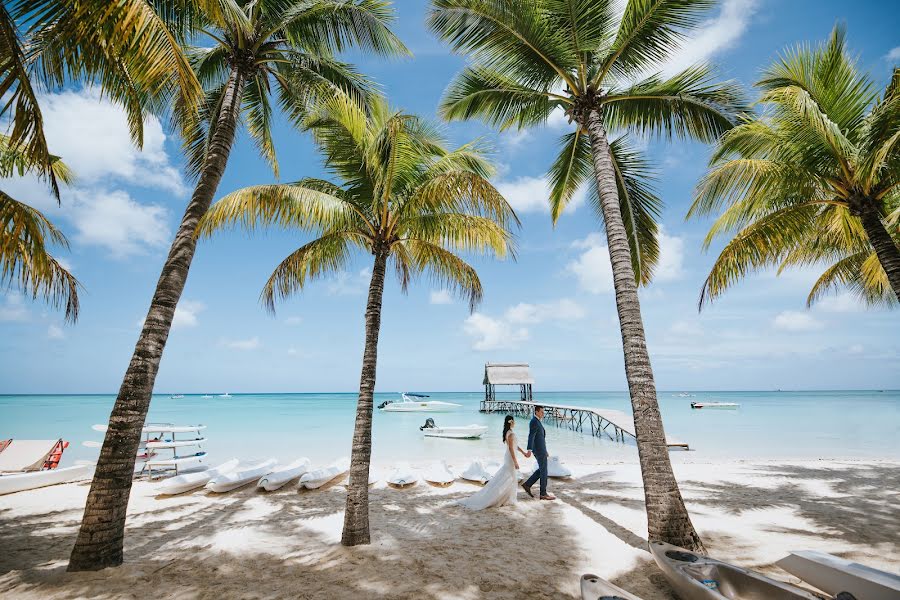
820 424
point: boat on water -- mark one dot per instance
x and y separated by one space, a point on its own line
402 476
464 432
281 475
191 481
597 588
696 577
834 575
242 475
439 474
718 405
225 395
686 395
176 396
319 477
416 403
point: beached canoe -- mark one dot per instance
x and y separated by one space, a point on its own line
439 474
834 575
240 477
597 588
319 477
191 481
695 577
281 475
402 476
20 482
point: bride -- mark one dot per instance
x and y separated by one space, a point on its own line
502 487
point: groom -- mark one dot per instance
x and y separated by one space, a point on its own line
537 444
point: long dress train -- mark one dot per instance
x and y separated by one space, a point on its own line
501 489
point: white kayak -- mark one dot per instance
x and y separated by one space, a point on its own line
19 482
720 405
834 575
191 481
439 474
319 477
241 476
465 432
555 468
174 444
158 428
281 475
478 471
402 476
597 588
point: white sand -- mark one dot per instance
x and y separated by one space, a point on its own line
248 544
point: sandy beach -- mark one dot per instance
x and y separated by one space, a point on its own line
247 544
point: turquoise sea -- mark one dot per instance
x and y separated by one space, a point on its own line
802 425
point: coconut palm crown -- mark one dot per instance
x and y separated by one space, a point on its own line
814 179
401 198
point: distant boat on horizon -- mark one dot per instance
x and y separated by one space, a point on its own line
176 396
225 395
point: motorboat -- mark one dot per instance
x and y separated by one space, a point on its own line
191 481
402 476
834 575
281 475
240 476
416 403
696 577
597 588
439 474
464 432
317 478
720 405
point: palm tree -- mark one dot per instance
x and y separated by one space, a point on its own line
26 235
403 199
532 57
815 178
257 48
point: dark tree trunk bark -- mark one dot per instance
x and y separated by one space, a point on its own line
887 251
100 539
356 515
667 517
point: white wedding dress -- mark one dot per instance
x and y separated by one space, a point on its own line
501 489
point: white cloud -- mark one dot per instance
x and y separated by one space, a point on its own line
13 308
841 303
592 269
293 321
92 136
493 334
560 310
671 258
117 222
54 332
686 328
893 54
292 351
791 320
345 283
713 36
440 297
186 313
250 344
532 194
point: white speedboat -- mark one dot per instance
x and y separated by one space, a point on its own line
719 405
417 403
240 477
19 482
319 477
439 474
191 481
281 475
464 432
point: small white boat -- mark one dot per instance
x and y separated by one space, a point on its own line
225 395
241 476
319 477
722 405
464 432
174 443
176 396
281 475
478 472
19 482
417 403
191 481
403 476
834 575
439 474
597 588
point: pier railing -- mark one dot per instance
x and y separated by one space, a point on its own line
602 422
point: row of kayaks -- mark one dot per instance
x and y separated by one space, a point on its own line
696 577
480 471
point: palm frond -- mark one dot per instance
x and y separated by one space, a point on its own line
445 269
572 167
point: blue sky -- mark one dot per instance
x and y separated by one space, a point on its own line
553 307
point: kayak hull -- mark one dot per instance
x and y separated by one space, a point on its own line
834 575
240 477
281 476
192 481
597 588
20 482
319 477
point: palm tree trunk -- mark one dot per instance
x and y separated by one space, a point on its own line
100 539
887 251
356 515
667 517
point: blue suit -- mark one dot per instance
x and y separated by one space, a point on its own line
538 445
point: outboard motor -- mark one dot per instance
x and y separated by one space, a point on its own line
385 403
429 424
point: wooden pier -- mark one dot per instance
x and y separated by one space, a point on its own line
576 418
